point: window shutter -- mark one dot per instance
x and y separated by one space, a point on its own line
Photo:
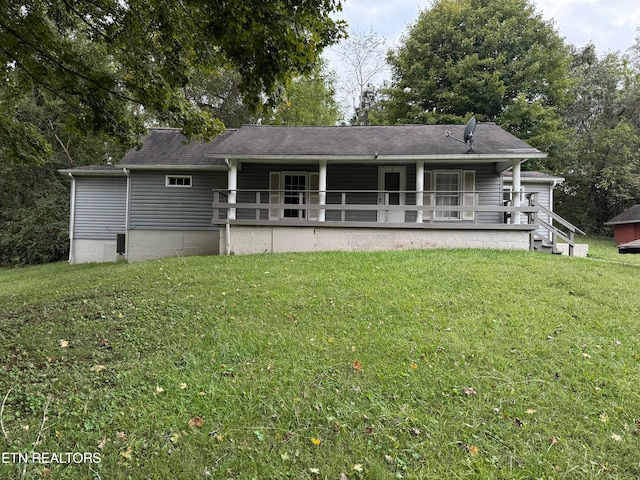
427 196
314 195
469 195
274 194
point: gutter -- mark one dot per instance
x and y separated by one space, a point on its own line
460 157
126 211
72 215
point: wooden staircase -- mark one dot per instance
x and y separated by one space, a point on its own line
558 228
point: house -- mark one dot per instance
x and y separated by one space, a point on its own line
281 189
626 226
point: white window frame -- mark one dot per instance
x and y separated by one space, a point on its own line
168 178
440 214
302 214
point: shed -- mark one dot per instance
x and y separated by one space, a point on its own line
626 226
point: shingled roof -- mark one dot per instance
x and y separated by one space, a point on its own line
369 141
166 147
169 147
630 215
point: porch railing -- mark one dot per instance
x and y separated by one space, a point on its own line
383 209
366 206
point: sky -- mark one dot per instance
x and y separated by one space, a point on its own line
610 24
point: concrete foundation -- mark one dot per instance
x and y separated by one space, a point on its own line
93 251
151 244
267 239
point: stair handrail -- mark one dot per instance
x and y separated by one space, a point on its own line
553 230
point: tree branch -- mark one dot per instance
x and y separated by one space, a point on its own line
72 163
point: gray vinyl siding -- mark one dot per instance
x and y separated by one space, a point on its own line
153 205
100 207
361 183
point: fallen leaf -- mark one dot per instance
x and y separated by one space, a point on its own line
389 459
357 366
64 343
586 355
331 339
122 435
473 451
413 365
530 411
554 440
315 471
316 441
357 467
604 418
126 453
196 422
470 391
45 471
158 390
518 423
183 386
103 443
97 368
616 437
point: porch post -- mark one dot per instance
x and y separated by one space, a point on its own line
232 185
419 190
517 194
322 187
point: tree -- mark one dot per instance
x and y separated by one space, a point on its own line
602 163
364 58
497 59
104 57
309 100
34 198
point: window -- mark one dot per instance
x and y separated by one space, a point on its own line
178 181
447 193
295 185
293 188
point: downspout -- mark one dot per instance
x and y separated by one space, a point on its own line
126 212
72 215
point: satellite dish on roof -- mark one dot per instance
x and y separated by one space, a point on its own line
468 134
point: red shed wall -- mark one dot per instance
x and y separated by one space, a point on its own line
626 232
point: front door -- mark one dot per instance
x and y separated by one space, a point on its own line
392 183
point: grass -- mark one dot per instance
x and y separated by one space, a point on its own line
414 364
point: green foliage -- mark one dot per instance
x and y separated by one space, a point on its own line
34 215
309 100
602 161
109 60
34 197
497 59
413 364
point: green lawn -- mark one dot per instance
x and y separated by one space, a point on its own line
415 364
